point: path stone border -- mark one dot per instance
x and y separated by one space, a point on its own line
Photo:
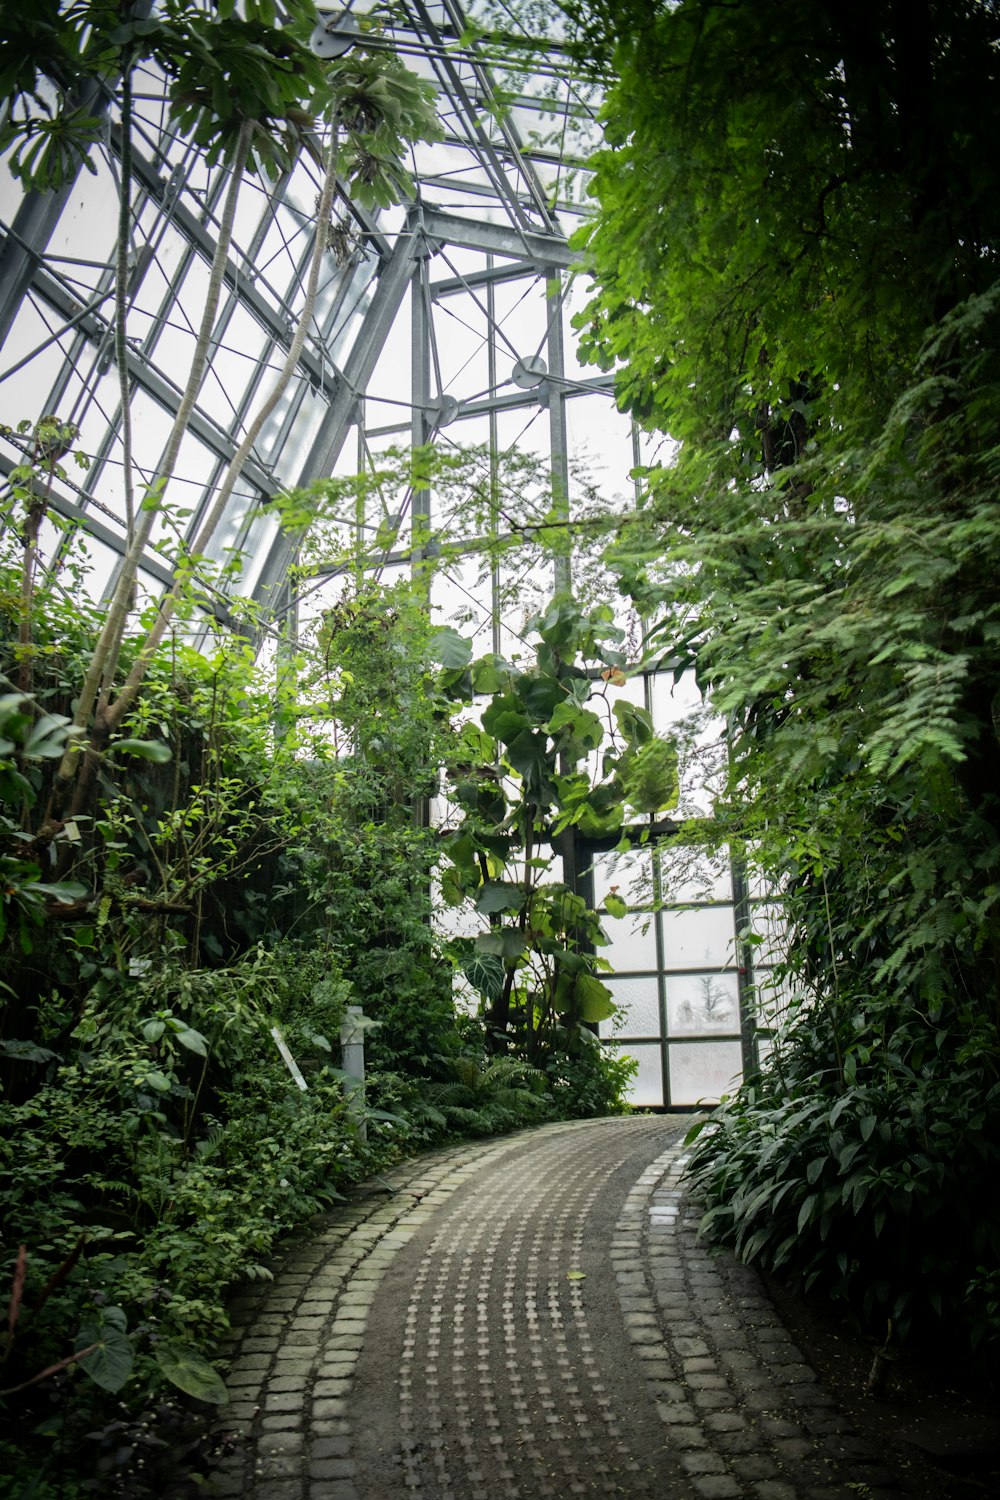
742 1413
740 1404
296 1341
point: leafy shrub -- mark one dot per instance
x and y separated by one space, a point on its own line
158 1160
591 1081
489 1098
870 1188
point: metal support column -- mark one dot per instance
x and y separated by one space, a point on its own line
746 984
494 445
285 666
559 447
420 397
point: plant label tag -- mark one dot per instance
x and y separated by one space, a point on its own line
290 1062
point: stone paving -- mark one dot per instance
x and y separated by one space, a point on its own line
530 1317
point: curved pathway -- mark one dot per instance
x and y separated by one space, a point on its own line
531 1317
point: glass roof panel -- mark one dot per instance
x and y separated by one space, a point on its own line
484 229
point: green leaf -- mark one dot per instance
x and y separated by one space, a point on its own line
615 906
505 719
110 1364
26 1051
585 729
541 695
66 891
191 1372
499 895
635 723
45 740
527 753
158 1081
452 886
507 943
595 821
486 973
153 750
592 999
192 1040
449 648
489 674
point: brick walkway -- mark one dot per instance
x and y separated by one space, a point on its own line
531 1317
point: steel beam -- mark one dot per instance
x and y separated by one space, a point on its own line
420 395
453 286
143 373
91 523
603 386
559 446
499 239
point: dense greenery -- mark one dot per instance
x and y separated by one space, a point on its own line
227 882
253 855
795 271
200 856
523 789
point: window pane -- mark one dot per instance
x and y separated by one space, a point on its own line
638 1002
698 939
647 1086
620 871
703 1003
703 1071
693 875
630 947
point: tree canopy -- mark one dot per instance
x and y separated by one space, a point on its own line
795 266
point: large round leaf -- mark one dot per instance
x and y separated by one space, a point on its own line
499 895
191 1372
593 999
449 648
109 1363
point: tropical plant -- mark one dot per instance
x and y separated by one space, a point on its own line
523 783
27 737
864 1181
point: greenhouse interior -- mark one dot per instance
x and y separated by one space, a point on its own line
498 535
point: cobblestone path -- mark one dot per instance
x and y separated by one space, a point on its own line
532 1317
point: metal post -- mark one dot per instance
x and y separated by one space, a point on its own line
557 422
745 978
285 667
352 1048
420 395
